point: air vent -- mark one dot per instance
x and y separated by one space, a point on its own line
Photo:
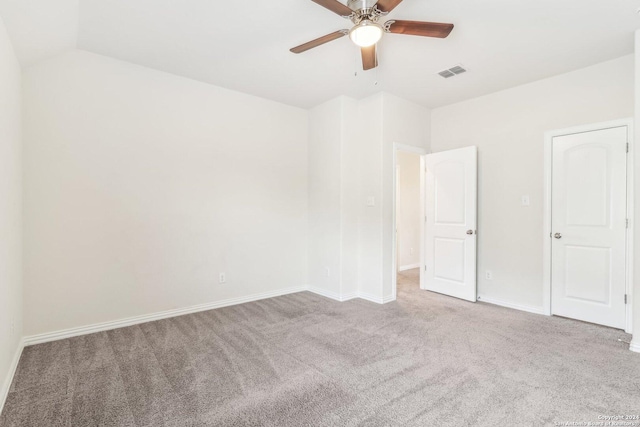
453 71
446 74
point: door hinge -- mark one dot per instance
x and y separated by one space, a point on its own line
627 147
625 298
425 267
627 222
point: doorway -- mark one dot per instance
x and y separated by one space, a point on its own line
447 217
408 219
587 232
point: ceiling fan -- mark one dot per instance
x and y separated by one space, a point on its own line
367 31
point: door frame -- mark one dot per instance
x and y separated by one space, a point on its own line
546 249
394 268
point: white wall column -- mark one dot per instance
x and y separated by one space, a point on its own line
333 199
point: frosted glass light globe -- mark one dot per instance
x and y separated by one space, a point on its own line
366 33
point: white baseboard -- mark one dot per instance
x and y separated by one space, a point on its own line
121 323
333 295
105 326
371 297
4 392
349 296
409 267
635 346
388 298
527 308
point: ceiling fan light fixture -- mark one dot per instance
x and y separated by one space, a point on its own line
366 33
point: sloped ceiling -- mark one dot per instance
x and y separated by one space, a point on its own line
40 29
244 45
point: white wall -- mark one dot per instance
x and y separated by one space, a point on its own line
333 193
325 145
141 187
350 198
508 128
635 151
10 210
370 185
408 209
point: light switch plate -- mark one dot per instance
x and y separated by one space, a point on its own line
371 201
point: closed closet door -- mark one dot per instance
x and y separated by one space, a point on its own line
588 223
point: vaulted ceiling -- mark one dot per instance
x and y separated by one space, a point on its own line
244 45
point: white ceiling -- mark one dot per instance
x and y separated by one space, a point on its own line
244 45
40 29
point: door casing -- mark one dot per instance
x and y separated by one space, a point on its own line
546 250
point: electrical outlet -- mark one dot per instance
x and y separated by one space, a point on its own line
488 275
327 272
223 278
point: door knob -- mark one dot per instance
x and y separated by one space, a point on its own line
558 236
469 232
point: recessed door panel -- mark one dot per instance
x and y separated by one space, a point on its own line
588 220
588 274
449 252
588 181
450 193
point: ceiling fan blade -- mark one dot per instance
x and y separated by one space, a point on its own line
417 28
335 6
369 57
388 5
319 41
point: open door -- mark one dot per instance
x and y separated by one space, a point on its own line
451 222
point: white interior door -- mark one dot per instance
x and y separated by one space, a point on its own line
398 214
588 223
450 235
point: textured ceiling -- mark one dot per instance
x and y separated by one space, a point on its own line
244 45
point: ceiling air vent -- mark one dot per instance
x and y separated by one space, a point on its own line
446 74
453 71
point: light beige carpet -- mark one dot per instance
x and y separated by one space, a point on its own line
304 360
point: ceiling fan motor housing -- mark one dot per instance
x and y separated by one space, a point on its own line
361 4
364 9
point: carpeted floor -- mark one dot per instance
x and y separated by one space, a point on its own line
304 360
